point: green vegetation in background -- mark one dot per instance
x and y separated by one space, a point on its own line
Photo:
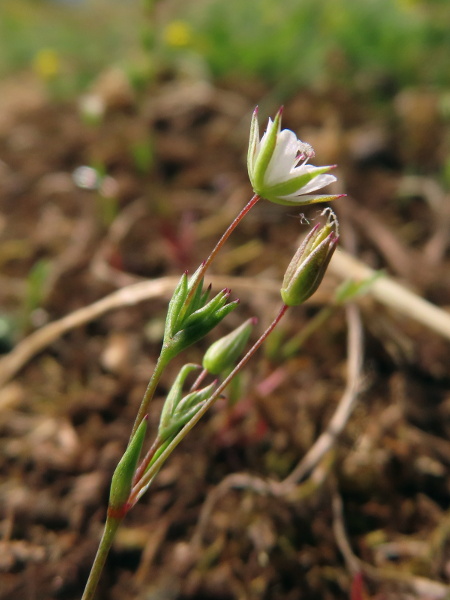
290 43
67 43
283 43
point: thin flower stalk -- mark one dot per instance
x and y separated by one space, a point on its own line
224 238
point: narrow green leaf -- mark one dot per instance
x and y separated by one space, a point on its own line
122 479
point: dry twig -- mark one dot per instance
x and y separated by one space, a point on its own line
391 293
345 407
343 265
420 586
321 447
130 295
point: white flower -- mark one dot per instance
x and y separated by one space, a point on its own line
278 166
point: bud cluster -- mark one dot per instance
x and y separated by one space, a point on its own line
177 411
191 316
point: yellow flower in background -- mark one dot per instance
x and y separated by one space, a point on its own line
178 34
46 63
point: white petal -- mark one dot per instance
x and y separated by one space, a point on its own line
266 133
253 142
317 183
283 158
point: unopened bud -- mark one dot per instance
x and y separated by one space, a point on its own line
183 411
222 355
175 394
122 479
188 320
307 268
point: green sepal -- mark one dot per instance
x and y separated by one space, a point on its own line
200 323
179 310
176 425
303 199
292 185
266 151
184 411
175 304
122 480
205 296
225 310
253 141
307 268
200 328
311 241
194 282
198 297
193 399
217 302
175 394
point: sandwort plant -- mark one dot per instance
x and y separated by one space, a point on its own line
279 171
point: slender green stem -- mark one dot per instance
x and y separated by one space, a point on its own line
141 486
109 533
222 241
149 392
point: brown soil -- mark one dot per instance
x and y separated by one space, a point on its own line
174 165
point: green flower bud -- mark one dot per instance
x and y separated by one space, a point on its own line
307 268
191 318
223 354
200 322
179 308
122 480
178 411
175 394
175 305
197 300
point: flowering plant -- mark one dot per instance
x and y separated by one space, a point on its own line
279 171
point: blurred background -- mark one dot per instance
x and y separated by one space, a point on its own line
123 140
